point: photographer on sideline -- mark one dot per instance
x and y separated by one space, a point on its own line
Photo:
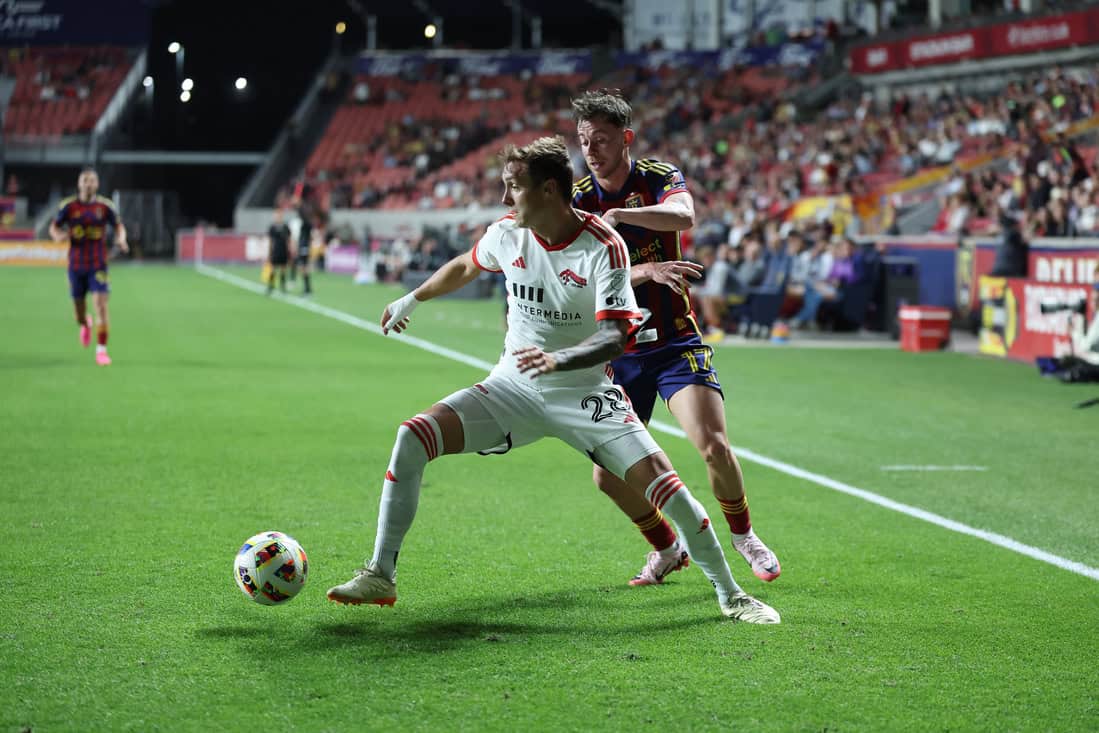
1083 365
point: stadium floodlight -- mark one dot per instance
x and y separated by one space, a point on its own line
147 82
430 30
174 47
185 96
188 84
341 27
240 83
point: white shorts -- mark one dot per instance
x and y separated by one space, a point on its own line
500 413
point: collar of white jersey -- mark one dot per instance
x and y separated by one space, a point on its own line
561 245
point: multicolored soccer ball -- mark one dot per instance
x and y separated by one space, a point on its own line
270 568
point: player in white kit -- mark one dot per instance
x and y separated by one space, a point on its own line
568 283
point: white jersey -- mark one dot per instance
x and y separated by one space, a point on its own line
558 292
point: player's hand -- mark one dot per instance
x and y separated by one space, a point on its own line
533 359
675 274
610 216
124 246
396 315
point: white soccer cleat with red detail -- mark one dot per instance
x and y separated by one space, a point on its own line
658 567
369 585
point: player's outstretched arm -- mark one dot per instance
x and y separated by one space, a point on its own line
676 213
674 274
604 345
452 276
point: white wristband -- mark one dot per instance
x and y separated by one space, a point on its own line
400 309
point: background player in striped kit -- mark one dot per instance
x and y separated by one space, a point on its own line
83 220
573 315
648 203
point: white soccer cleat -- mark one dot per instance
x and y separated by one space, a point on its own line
763 562
742 607
369 585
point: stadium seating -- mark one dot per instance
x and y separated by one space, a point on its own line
62 90
403 130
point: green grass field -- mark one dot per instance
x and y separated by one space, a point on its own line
125 492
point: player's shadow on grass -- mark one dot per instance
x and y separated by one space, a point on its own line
425 628
595 610
432 637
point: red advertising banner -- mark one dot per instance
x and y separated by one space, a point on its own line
1003 39
1056 261
1070 266
1012 322
206 246
1042 34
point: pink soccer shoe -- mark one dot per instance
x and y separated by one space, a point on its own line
657 568
759 556
102 359
86 333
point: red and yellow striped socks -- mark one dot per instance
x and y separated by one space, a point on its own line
656 530
736 514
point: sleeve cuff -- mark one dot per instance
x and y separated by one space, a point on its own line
478 262
665 194
616 315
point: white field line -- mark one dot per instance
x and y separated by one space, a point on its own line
933 468
829 483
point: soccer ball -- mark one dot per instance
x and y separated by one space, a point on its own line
270 568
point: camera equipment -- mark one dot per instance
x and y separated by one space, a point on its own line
1048 307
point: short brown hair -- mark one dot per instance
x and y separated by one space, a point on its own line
546 159
603 104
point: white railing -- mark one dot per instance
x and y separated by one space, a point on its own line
117 105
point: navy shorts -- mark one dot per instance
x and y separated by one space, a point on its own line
664 370
82 282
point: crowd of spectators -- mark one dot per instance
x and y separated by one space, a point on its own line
1018 169
749 154
399 168
810 276
1044 184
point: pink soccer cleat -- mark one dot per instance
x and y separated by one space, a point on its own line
102 359
658 567
759 556
86 333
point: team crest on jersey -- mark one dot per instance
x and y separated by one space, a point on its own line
568 277
633 201
618 279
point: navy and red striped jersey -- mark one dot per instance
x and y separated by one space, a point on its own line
87 223
667 314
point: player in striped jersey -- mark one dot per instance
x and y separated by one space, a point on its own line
83 220
648 203
567 275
